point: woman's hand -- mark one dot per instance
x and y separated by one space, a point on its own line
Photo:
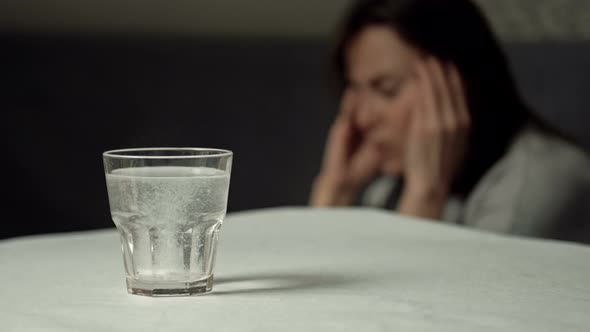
437 139
349 160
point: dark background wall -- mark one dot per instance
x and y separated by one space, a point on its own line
71 99
67 96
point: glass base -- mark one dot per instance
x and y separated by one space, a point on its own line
179 288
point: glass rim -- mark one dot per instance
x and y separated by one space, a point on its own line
119 153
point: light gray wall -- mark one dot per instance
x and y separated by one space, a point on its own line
284 18
527 20
533 20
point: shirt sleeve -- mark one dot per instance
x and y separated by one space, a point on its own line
541 189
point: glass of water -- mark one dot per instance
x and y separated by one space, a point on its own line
168 205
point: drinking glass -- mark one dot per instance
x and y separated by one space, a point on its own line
168 205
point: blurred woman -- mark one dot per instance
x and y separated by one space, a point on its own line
431 124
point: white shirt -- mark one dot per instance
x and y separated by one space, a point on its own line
540 187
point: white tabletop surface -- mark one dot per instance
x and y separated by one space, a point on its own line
309 270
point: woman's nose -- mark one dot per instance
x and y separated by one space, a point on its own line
367 114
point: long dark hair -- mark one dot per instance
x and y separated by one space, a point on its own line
453 31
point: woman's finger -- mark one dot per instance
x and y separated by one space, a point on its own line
417 128
439 84
429 117
459 98
442 92
347 102
337 147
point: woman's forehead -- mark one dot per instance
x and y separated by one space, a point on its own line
377 51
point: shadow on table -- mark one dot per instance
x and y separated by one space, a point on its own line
270 283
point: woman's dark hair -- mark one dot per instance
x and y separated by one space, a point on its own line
453 31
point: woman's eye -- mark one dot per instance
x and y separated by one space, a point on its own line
389 91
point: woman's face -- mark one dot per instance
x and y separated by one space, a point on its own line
379 66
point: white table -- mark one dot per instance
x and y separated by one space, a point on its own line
309 270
